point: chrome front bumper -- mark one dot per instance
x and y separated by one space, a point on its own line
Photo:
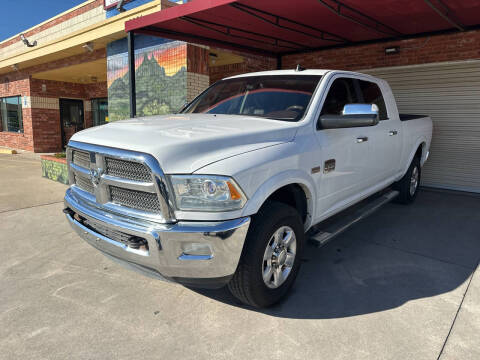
169 253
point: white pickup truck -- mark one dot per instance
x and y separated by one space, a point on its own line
223 192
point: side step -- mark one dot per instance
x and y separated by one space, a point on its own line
327 230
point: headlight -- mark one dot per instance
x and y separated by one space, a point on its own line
207 193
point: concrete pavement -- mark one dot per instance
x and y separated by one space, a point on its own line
399 285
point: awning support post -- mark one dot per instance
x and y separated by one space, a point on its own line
279 62
131 72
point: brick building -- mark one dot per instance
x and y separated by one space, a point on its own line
75 75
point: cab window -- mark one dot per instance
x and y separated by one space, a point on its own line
341 92
373 95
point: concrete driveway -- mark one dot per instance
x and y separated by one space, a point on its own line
402 284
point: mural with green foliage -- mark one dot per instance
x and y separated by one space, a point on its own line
55 170
160 79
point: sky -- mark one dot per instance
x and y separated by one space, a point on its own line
19 15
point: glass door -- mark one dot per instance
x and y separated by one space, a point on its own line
100 111
71 118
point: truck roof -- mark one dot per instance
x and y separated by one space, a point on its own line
282 72
319 72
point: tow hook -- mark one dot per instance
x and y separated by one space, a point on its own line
137 243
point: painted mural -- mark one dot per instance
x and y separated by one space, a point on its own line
160 75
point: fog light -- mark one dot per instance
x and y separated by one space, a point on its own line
197 249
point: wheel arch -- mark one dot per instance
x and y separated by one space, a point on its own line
296 191
420 148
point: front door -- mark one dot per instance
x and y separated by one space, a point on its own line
71 118
344 153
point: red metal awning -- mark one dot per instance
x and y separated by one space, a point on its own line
278 27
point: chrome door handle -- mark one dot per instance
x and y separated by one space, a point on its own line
362 139
392 132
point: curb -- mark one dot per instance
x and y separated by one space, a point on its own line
8 151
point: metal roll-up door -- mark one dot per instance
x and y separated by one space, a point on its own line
450 94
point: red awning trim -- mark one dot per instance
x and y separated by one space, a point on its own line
277 19
275 28
359 18
446 14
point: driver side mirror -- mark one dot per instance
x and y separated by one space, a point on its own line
353 115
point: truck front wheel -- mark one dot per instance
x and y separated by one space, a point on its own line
271 257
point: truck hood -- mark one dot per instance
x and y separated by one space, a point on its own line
185 143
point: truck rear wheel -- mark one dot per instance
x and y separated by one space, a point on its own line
408 184
271 257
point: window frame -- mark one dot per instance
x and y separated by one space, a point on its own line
19 114
360 94
355 88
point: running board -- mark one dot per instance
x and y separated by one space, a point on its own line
326 232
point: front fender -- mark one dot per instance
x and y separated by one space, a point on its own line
260 173
278 181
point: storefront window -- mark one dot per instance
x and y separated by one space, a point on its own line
100 111
11 114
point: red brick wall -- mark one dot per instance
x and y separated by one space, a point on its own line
43 134
57 89
46 130
46 124
15 85
436 48
439 48
251 63
20 140
96 90
197 59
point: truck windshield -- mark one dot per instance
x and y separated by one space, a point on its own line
281 97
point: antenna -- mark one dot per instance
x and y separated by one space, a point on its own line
300 68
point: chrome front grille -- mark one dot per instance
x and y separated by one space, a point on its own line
81 158
135 199
127 169
126 182
84 183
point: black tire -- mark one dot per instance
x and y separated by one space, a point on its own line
403 185
247 284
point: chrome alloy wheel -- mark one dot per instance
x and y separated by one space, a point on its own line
414 181
279 257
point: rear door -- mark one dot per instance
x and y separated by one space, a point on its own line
344 153
385 141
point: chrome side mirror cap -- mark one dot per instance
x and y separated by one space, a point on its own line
360 109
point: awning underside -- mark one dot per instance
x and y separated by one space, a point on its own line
276 27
